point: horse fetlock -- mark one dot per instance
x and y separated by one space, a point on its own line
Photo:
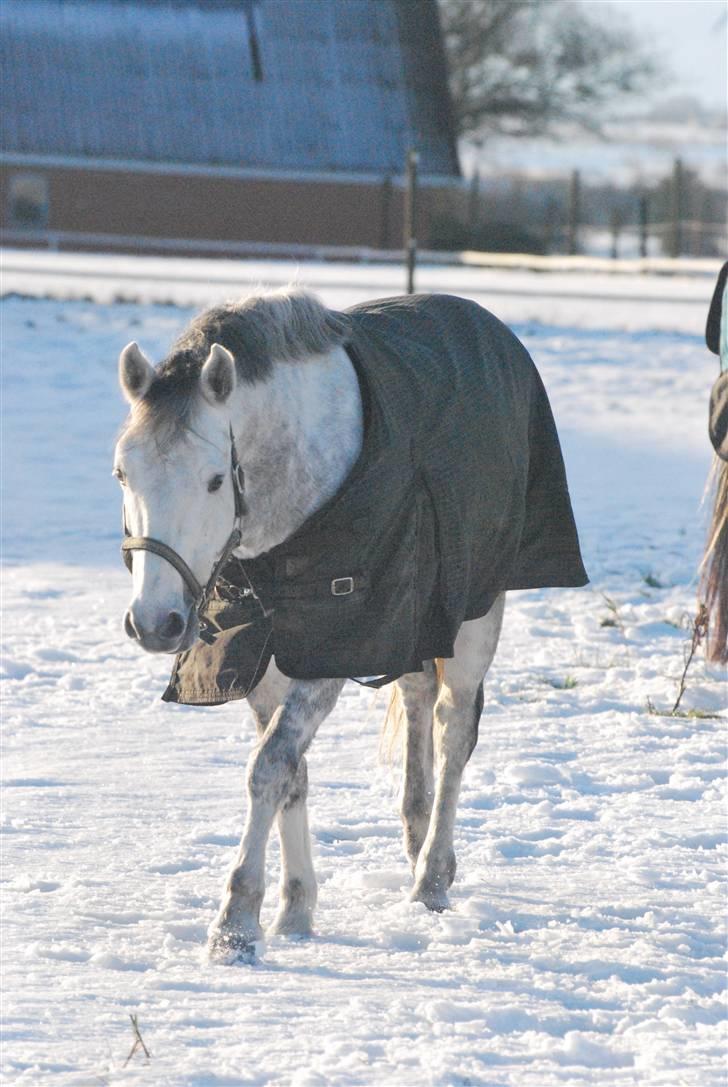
415 832
434 875
241 904
298 892
295 912
243 892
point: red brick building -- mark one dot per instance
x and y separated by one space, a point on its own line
221 125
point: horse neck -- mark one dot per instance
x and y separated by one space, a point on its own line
300 434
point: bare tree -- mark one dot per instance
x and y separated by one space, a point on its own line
520 66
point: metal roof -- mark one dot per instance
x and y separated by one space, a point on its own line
327 85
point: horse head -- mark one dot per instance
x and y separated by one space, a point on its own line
182 491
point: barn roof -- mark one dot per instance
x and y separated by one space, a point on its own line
325 85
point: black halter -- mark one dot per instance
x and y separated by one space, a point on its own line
200 593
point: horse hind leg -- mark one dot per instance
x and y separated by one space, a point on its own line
457 712
415 699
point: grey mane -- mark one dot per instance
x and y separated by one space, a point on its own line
282 326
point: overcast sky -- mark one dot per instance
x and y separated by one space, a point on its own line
692 38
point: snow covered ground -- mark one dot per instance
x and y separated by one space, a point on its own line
585 944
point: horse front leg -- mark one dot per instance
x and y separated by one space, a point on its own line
272 773
298 890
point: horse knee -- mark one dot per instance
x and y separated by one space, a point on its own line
297 895
273 770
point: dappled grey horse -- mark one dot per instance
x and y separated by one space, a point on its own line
312 495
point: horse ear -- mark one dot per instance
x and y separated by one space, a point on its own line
136 372
217 379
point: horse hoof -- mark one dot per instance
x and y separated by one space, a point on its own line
230 948
435 900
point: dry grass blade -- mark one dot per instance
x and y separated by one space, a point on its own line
138 1041
614 619
700 628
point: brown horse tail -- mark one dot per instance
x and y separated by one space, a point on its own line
713 589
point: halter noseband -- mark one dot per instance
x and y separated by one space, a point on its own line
200 593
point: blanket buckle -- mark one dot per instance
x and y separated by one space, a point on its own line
342 586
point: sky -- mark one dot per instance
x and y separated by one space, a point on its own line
691 36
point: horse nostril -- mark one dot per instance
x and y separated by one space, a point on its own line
129 626
174 626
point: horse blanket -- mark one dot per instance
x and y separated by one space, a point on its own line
459 493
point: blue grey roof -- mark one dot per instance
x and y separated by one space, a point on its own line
342 85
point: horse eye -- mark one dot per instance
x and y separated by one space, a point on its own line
215 484
118 474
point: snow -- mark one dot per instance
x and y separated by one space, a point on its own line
585 944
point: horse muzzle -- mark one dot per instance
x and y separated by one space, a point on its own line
170 633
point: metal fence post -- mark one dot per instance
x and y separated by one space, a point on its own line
616 222
552 230
474 206
574 213
643 215
386 205
676 208
410 218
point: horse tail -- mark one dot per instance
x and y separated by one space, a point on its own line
391 743
714 567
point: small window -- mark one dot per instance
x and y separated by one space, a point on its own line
29 201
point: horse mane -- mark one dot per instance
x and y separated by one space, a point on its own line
286 325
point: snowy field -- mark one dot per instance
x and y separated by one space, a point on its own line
585 944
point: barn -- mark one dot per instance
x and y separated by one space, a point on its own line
221 126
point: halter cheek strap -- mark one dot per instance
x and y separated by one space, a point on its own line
200 594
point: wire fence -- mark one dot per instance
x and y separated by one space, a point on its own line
679 215
623 240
